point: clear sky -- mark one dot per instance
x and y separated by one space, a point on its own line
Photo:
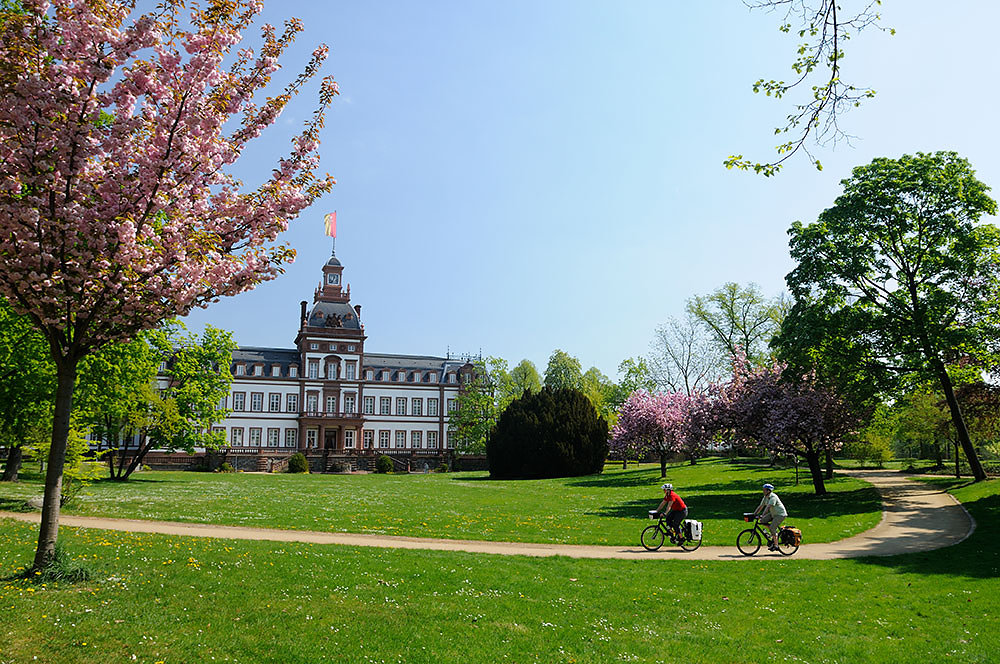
529 175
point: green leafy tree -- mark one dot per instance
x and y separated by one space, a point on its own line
119 399
114 395
525 378
600 390
635 375
480 401
563 371
739 319
903 254
27 385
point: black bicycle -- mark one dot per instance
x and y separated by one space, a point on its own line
654 536
750 540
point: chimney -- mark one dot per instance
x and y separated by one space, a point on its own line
357 309
302 318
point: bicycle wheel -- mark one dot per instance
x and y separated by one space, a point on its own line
748 542
651 538
691 544
786 549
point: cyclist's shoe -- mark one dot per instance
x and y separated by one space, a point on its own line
772 547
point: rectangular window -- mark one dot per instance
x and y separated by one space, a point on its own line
400 439
256 401
432 407
384 404
452 378
401 405
236 437
241 370
349 403
274 402
385 375
312 435
222 402
293 372
331 404
349 371
434 377
254 437
291 437
369 374
258 370
239 401
349 438
292 404
367 438
447 440
452 405
369 405
273 437
383 439
401 376
276 371
314 369
312 403
416 406
432 440
314 346
415 441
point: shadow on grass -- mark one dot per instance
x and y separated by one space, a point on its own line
15 505
732 505
977 557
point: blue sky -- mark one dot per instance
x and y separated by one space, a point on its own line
524 176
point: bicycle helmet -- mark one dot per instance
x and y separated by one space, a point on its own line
667 487
769 486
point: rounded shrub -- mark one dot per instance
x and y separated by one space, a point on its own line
297 463
227 467
550 433
383 464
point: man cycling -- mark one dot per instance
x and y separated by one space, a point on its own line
772 513
675 509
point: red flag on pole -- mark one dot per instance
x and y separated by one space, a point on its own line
331 224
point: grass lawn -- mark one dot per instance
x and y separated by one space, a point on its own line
182 600
601 509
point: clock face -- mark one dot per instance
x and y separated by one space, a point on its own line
333 278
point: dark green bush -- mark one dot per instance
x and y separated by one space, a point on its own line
550 433
442 468
297 463
383 464
226 468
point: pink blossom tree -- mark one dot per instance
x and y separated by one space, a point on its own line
661 424
785 415
117 210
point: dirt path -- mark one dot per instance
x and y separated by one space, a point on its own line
914 518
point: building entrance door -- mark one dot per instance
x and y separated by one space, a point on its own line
331 439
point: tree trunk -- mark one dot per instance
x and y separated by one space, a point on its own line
812 457
829 465
13 465
663 465
978 473
49 529
958 469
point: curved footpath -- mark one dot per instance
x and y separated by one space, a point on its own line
915 517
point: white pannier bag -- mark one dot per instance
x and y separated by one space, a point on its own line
694 527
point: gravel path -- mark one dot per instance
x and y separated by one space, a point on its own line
915 517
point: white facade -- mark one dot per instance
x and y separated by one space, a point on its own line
328 394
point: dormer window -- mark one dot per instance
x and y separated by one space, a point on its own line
241 370
258 370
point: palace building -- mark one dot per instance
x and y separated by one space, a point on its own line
333 400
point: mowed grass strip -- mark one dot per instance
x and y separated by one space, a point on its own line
174 599
609 508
